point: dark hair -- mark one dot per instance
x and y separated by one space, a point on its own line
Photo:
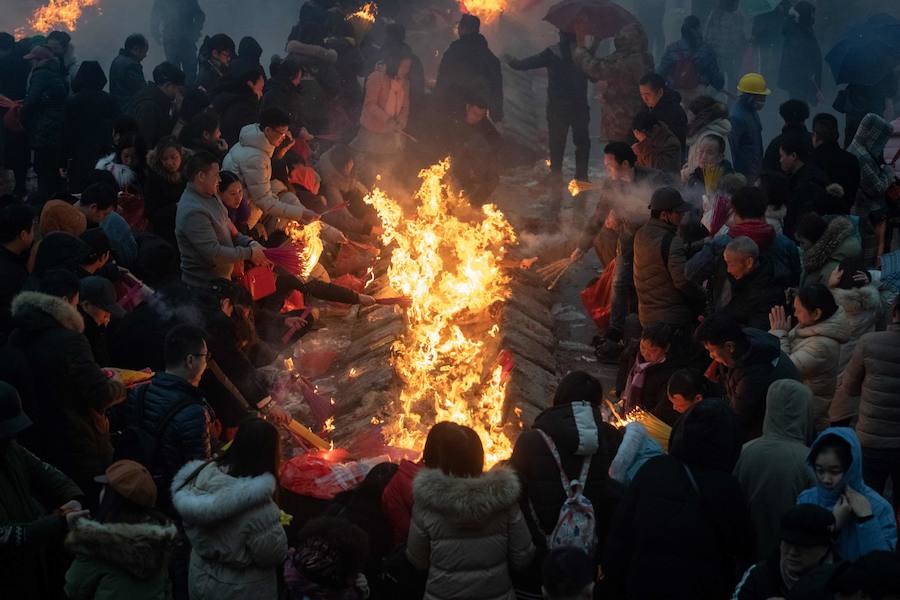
166 72
330 552
60 36
566 572
718 139
691 31
654 81
794 112
250 74
395 32
875 575
688 383
281 168
818 296
392 63
102 176
195 101
135 41
849 267
61 283
825 126
645 122
90 76
578 386
469 24
437 442
840 446
274 117
7 42
132 140
98 243
206 121
286 69
181 341
14 219
796 143
100 195
463 455
811 227
256 449
749 203
219 42
200 162
719 328
227 179
659 334
340 155
776 186
125 124
622 152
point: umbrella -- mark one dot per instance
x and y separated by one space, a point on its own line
604 18
868 53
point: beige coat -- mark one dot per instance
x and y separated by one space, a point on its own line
815 351
237 540
469 533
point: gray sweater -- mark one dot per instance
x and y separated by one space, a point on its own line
207 249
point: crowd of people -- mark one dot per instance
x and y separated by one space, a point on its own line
752 309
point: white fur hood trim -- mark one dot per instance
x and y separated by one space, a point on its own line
61 311
857 300
467 499
214 496
142 549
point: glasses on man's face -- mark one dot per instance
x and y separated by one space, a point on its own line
206 355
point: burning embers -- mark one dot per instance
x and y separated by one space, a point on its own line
486 10
59 14
450 267
368 12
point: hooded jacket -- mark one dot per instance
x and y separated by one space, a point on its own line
620 71
839 242
815 350
660 150
233 525
71 391
251 160
747 382
855 539
711 121
119 560
868 147
637 447
397 500
873 374
772 468
671 539
152 109
862 311
469 533
578 430
669 111
468 64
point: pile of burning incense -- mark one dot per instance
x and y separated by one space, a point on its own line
552 273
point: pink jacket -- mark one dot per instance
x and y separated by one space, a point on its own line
378 88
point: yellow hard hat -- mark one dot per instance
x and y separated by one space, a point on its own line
753 83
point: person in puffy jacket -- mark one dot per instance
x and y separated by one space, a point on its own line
814 343
467 529
231 519
683 526
864 520
251 160
772 468
574 424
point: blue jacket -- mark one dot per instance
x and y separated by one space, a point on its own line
855 539
746 138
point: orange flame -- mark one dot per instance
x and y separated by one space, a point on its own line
309 236
450 268
486 10
366 13
59 14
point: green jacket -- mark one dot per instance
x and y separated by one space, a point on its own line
120 560
29 490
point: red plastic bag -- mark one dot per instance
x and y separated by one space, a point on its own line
354 258
12 120
260 282
597 297
313 475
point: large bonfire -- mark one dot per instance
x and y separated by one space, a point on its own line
486 10
59 14
447 260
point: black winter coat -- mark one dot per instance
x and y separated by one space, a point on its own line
280 93
13 273
654 396
747 383
469 65
568 85
187 435
43 110
237 106
807 187
669 111
161 196
672 540
753 296
71 391
210 75
126 78
87 133
772 157
841 166
801 63
153 111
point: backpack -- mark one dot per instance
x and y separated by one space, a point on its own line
140 444
685 75
576 524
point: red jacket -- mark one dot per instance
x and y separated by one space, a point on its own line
397 499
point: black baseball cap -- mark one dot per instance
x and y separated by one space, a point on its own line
100 292
807 525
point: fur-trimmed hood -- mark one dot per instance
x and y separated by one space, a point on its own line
467 501
141 549
214 496
838 230
858 300
835 327
34 310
